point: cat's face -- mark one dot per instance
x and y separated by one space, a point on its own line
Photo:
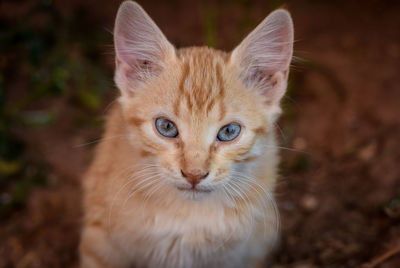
196 114
196 120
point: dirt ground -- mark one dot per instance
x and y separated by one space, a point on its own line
339 193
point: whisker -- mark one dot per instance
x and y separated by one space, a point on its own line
283 148
228 194
149 181
101 139
233 188
280 131
131 180
154 189
271 201
133 177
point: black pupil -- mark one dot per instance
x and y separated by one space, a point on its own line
230 129
168 126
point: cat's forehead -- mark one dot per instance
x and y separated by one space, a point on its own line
202 87
202 63
202 54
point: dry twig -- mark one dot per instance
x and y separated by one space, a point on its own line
380 259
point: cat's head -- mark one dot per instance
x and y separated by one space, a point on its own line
199 114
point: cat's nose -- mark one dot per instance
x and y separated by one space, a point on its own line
194 176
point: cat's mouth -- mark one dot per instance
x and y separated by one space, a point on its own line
194 189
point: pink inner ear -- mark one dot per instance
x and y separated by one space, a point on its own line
141 48
269 47
265 53
138 40
276 89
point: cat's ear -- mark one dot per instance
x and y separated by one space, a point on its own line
263 58
142 50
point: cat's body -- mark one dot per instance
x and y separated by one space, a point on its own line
165 232
169 186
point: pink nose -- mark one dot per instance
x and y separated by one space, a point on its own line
194 177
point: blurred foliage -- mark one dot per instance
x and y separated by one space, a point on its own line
49 60
301 163
392 207
210 26
277 4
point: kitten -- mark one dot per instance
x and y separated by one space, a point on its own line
185 173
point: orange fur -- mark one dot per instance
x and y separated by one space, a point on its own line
135 210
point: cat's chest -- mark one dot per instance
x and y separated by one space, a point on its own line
191 239
190 230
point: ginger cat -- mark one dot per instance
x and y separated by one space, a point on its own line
185 173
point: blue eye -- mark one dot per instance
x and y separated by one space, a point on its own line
229 132
166 128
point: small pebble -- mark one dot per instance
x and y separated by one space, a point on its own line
368 152
309 203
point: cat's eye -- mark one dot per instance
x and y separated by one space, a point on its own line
229 132
166 128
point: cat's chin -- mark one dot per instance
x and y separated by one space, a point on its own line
194 193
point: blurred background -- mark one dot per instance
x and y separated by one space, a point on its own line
339 193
